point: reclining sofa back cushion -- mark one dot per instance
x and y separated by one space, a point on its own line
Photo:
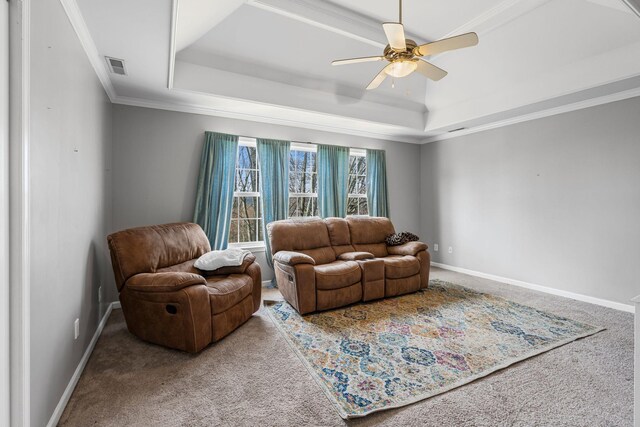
308 236
368 234
339 235
148 249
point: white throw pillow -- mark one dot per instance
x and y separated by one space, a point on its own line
217 259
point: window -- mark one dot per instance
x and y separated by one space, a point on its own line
303 181
357 184
246 217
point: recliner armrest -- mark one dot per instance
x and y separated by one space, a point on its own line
355 256
409 248
293 258
163 282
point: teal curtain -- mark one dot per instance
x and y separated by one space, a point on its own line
214 195
273 157
333 172
377 197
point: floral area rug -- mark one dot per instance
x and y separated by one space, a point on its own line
397 351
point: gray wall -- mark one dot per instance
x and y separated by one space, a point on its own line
157 156
71 124
553 202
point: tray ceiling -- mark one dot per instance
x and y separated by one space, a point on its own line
269 60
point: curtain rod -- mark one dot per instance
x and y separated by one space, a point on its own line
309 143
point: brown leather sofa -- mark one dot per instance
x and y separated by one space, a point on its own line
324 264
166 300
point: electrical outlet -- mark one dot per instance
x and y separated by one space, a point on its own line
450 250
99 294
76 329
435 247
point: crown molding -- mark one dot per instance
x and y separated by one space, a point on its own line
210 111
97 61
605 99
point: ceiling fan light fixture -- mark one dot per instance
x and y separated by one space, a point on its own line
401 68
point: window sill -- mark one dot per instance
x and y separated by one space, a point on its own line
251 246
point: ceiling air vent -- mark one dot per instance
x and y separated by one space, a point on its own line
116 66
456 130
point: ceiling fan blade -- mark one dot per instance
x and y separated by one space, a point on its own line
430 70
356 60
379 78
395 35
444 45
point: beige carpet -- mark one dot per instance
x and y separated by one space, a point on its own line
253 378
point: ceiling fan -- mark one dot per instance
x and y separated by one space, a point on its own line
405 55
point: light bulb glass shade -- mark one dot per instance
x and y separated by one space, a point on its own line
401 68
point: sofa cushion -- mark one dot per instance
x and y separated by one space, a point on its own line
368 234
227 291
365 229
147 249
308 235
399 266
337 274
339 235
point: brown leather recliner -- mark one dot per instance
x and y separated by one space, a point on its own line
166 300
324 264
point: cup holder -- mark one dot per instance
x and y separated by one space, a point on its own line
171 309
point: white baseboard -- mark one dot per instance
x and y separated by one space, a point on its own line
57 413
579 297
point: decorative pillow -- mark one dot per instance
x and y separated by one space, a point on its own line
401 238
217 259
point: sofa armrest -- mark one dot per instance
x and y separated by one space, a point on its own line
409 248
233 269
163 282
293 258
355 256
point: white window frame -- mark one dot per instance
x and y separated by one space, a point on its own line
358 152
256 244
310 148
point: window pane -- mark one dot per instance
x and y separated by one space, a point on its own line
362 165
247 158
292 182
309 162
352 206
298 185
233 232
308 183
260 238
248 230
353 163
248 207
305 207
351 184
247 180
363 208
293 206
234 209
297 160
314 183
361 186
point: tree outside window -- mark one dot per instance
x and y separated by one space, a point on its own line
246 216
357 185
303 183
